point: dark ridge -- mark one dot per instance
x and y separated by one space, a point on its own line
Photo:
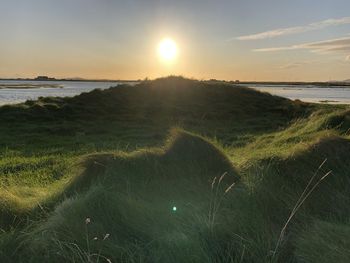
148 110
172 97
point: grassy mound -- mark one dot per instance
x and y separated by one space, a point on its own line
278 179
183 151
132 197
170 204
285 179
147 111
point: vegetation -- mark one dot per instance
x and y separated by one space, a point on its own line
174 170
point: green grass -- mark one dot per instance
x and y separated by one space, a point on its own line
233 161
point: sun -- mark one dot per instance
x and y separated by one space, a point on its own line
167 49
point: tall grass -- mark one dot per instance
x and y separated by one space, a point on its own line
216 199
303 197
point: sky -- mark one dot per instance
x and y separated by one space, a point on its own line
257 40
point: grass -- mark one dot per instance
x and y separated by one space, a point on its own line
126 156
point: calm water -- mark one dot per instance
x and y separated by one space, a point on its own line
69 89
308 93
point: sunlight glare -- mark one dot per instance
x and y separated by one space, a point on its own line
167 49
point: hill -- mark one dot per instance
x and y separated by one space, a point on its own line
156 106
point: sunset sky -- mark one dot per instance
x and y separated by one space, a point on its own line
278 40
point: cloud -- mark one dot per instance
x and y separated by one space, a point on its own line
273 49
332 46
295 65
296 30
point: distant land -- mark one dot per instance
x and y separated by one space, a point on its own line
323 84
332 83
47 78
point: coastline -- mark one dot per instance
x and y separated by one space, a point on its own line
29 86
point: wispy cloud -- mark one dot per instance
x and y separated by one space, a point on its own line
295 65
297 29
335 46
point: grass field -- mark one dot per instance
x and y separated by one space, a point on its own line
174 170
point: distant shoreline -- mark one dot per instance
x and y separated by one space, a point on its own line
73 80
272 83
294 83
29 86
321 84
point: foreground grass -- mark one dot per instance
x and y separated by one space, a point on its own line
115 158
